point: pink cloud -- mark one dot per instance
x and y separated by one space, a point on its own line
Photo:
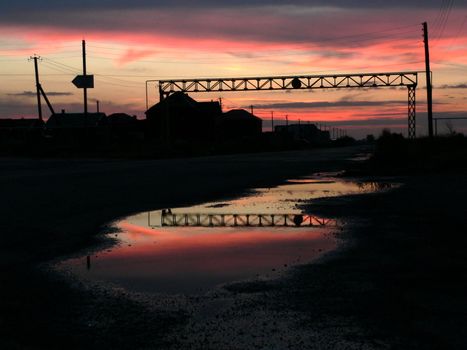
132 55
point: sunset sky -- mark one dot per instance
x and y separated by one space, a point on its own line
129 42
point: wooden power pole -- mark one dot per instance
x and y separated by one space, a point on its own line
429 88
85 90
38 87
272 121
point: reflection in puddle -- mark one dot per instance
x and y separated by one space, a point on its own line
190 260
246 220
361 157
194 260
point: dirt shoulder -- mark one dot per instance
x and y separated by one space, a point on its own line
403 274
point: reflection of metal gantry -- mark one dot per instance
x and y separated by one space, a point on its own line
335 81
232 220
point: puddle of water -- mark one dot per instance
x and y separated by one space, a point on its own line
284 198
361 157
192 260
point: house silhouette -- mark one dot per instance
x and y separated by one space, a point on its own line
239 124
180 118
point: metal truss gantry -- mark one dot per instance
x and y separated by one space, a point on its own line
234 220
334 81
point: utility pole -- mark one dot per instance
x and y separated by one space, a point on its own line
251 109
272 121
429 88
287 120
97 106
220 102
85 90
38 86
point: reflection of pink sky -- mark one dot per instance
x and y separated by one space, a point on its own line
286 195
219 252
200 238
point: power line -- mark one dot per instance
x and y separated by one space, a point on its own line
440 15
443 20
448 12
454 40
116 84
65 66
58 68
120 81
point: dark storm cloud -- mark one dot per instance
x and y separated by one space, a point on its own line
453 86
255 20
29 5
33 94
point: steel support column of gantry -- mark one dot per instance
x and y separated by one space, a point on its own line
411 111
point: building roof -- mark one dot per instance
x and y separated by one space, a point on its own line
21 123
182 101
74 120
176 99
119 119
239 114
212 108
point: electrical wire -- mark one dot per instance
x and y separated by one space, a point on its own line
58 68
454 39
440 15
120 81
443 22
448 12
61 65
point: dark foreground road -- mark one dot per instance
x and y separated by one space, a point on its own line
53 207
400 282
403 277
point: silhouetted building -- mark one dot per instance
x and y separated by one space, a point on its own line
20 131
74 120
180 118
239 124
306 133
23 123
117 120
72 129
122 127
